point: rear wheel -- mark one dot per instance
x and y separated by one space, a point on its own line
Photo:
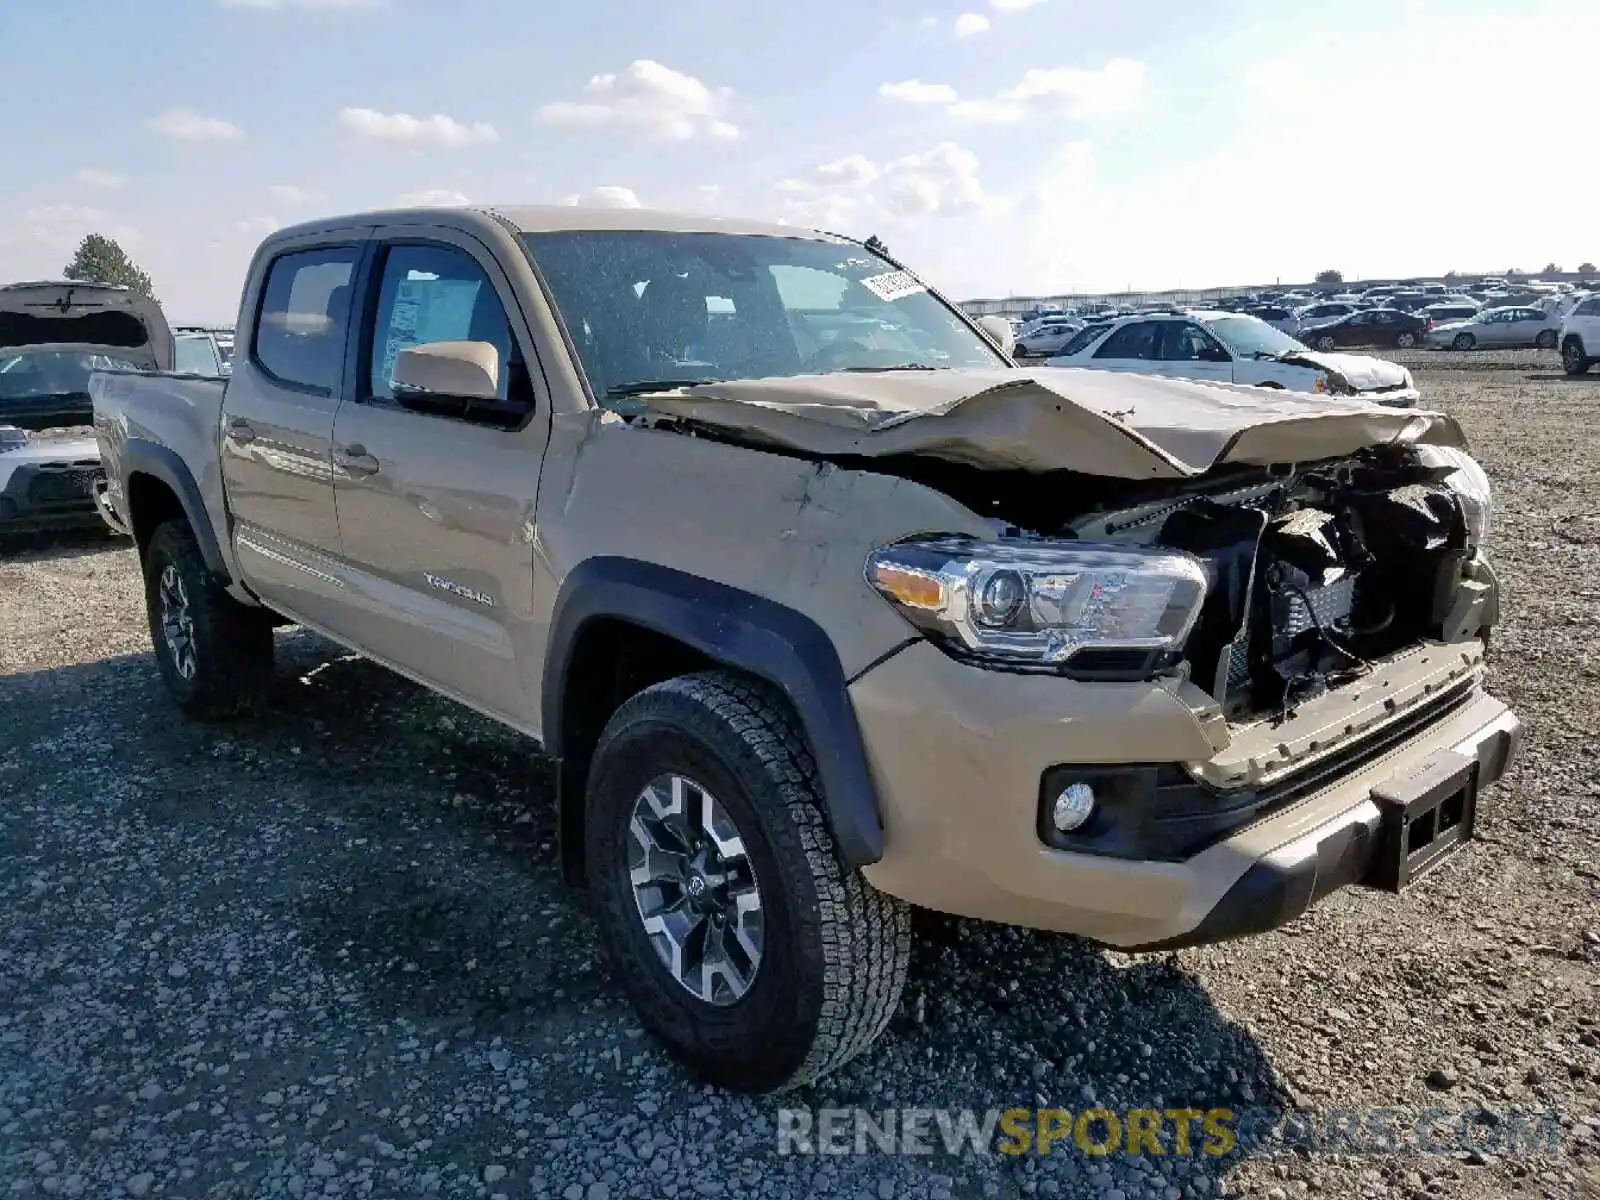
747 946
214 654
1463 341
1546 340
1325 343
1573 360
1406 340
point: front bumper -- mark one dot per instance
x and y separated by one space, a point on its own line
958 755
43 496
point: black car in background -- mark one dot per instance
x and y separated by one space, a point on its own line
1369 327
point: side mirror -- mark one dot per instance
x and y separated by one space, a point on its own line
454 370
1000 332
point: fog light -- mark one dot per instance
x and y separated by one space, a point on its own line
1073 807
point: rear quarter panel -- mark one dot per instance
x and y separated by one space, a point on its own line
181 413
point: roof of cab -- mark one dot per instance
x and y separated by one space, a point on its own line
553 218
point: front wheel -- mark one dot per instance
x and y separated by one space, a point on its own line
1463 341
214 653
1406 340
1325 343
1546 340
1573 359
747 946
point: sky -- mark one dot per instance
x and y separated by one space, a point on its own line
999 147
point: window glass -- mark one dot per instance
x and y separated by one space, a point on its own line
305 309
194 354
1590 307
434 294
636 304
1188 343
1082 340
1134 340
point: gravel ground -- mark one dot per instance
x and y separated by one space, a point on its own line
327 951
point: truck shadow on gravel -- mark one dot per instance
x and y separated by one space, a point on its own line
410 843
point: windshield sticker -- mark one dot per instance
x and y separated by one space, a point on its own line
893 285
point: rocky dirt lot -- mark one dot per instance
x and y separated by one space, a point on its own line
326 951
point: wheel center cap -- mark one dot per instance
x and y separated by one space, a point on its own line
698 886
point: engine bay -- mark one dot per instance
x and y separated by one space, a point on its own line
1312 576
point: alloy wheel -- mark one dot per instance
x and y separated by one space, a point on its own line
695 889
177 622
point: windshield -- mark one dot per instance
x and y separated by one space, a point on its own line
47 375
1248 337
653 306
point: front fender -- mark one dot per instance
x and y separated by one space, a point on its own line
740 630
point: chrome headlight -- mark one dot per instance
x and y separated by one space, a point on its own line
1051 603
1470 483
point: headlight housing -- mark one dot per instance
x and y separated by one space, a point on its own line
1080 607
1470 483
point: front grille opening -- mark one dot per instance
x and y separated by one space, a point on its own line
1421 831
1452 811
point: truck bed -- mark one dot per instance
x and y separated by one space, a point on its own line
176 414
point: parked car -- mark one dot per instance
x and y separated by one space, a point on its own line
1222 347
1369 327
520 497
1044 340
1329 310
1496 327
1440 313
1280 318
1580 336
53 335
195 352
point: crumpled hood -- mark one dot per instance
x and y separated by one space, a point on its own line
1362 371
1105 423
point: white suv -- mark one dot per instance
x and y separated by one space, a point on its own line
1580 336
1225 347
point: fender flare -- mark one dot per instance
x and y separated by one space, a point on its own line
740 630
143 457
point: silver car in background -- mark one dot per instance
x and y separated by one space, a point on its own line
1497 327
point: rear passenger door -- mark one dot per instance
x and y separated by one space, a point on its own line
277 423
436 511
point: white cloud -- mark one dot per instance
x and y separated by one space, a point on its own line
971 23
437 130
38 237
1069 91
432 198
852 169
257 226
651 99
104 180
939 182
605 196
186 125
914 91
988 110
1013 5
1114 88
289 193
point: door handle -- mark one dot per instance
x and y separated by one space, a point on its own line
241 430
355 459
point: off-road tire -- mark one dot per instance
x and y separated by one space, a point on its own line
1463 342
1546 340
836 949
232 642
1573 359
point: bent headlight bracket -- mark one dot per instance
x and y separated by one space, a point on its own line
1078 607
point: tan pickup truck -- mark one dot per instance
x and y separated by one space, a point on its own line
821 606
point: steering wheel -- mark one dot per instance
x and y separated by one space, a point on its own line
830 355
